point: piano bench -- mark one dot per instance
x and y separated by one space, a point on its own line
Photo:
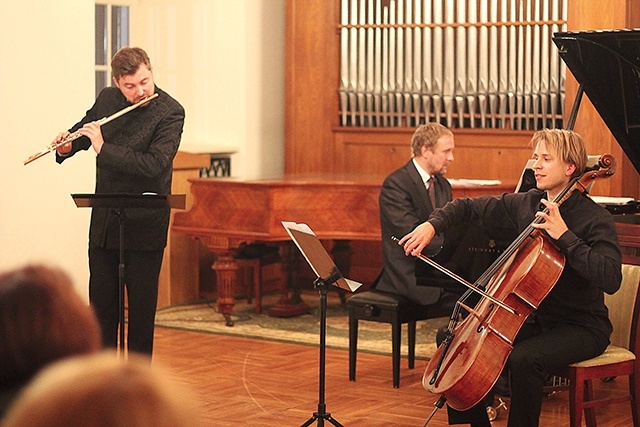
390 308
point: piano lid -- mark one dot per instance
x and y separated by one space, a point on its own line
607 66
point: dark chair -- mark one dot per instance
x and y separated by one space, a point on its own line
385 307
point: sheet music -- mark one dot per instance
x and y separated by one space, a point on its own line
316 255
478 182
604 200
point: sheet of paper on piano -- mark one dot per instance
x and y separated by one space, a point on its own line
316 255
471 182
604 200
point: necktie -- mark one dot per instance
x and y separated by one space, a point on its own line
431 189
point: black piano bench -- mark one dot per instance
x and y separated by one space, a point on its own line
387 308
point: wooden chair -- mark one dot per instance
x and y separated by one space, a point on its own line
619 359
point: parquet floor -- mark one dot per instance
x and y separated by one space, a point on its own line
246 382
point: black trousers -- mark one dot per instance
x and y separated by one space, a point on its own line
536 352
142 269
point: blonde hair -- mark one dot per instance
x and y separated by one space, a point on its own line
102 391
427 135
566 144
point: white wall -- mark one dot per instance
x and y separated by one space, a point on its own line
223 60
46 85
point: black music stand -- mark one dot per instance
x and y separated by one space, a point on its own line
119 202
328 274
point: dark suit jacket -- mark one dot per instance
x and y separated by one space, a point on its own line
137 157
404 204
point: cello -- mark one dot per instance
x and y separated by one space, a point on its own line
475 350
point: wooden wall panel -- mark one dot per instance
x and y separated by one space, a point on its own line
311 73
478 154
633 14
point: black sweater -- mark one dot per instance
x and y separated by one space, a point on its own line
137 157
593 258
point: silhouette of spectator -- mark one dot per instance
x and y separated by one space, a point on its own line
103 391
42 319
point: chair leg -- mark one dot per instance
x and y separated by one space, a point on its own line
411 327
396 332
248 282
353 346
634 390
576 399
589 413
257 287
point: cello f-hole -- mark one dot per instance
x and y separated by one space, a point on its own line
482 322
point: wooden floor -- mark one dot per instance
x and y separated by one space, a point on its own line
250 382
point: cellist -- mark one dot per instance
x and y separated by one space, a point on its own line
571 324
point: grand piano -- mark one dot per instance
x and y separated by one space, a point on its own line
606 65
228 214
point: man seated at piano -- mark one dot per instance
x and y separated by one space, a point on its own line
571 323
407 198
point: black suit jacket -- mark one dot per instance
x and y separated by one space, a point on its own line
137 157
404 204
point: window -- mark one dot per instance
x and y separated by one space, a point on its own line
112 33
464 63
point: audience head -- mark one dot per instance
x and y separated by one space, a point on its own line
42 319
103 391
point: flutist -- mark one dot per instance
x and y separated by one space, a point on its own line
134 154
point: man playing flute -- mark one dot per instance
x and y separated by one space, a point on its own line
134 154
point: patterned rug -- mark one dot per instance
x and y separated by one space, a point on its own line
373 337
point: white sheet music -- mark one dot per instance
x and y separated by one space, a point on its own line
604 200
316 255
476 182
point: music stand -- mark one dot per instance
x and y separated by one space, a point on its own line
328 274
119 202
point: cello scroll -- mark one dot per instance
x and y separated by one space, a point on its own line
607 167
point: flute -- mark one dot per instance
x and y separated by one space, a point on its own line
77 134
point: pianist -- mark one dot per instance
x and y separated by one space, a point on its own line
407 198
